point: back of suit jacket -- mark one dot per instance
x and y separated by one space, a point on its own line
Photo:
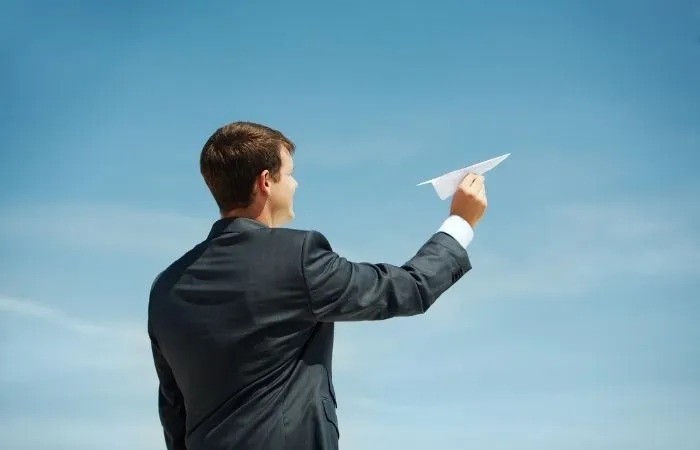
242 331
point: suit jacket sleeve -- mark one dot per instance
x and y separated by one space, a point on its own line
171 407
340 290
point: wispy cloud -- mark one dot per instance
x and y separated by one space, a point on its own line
573 249
113 228
128 333
86 433
568 251
562 255
110 228
90 364
40 336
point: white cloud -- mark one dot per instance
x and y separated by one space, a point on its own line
111 228
58 433
566 252
561 255
91 364
562 251
616 417
574 249
128 333
88 365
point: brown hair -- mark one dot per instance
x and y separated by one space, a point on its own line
235 155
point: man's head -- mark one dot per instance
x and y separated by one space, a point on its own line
248 169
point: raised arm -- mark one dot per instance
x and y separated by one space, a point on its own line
340 290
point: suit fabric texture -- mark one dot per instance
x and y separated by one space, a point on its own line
242 326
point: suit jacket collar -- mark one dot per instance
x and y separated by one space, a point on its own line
234 225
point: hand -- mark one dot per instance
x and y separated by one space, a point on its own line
469 201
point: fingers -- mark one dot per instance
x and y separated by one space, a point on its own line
474 182
482 194
469 201
474 185
469 179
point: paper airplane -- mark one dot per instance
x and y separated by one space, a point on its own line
446 185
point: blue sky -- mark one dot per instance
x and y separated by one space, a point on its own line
576 328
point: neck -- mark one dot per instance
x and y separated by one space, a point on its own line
262 216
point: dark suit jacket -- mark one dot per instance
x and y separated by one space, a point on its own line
241 328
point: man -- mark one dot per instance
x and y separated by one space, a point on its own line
241 326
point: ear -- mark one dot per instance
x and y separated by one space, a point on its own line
264 182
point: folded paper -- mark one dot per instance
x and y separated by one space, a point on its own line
446 185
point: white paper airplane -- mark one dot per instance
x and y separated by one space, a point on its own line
446 185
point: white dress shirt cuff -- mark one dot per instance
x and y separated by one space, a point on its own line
459 229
